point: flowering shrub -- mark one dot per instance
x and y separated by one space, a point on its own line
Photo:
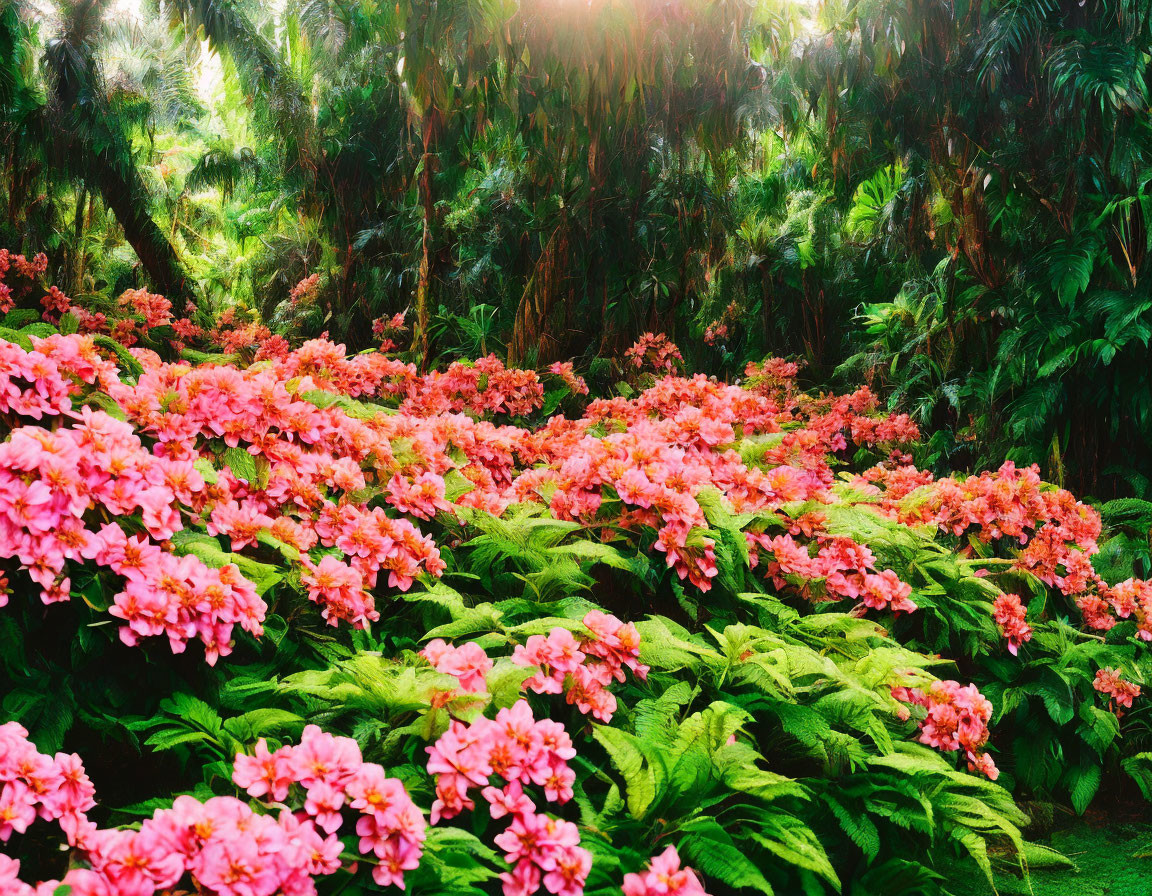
699 621
518 750
956 718
332 774
221 845
654 352
589 664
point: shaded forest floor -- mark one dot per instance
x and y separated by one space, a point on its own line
1111 855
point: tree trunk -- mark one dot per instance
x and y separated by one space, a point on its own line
87 131
76 263
84 255
424 279
539 295
156 254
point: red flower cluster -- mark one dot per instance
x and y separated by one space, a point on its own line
55 304
28 270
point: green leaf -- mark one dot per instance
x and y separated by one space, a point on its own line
241 463
642 770
712 852
258 723
1085 783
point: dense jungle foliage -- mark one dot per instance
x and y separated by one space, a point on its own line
658 447
946 200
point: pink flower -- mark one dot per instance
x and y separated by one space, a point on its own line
1011 616
17 808
469 664
322 758
664 877
956 718
339 589
1112 683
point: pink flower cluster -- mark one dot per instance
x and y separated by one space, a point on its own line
339 590
671 446
956 718
666 446
313 459
654 352
394 324
333 776
176 596
718 330
520 750
772 376
386 329
222 845
376 542
567 374
1058 533
1120 690
305 290
422 497
664 877
32 384
841 568
225 847
715 332
1011 616
155 310
468 663
1010 503
236 336
1103 606
587 666
33 784
78 360
484 388
52 481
